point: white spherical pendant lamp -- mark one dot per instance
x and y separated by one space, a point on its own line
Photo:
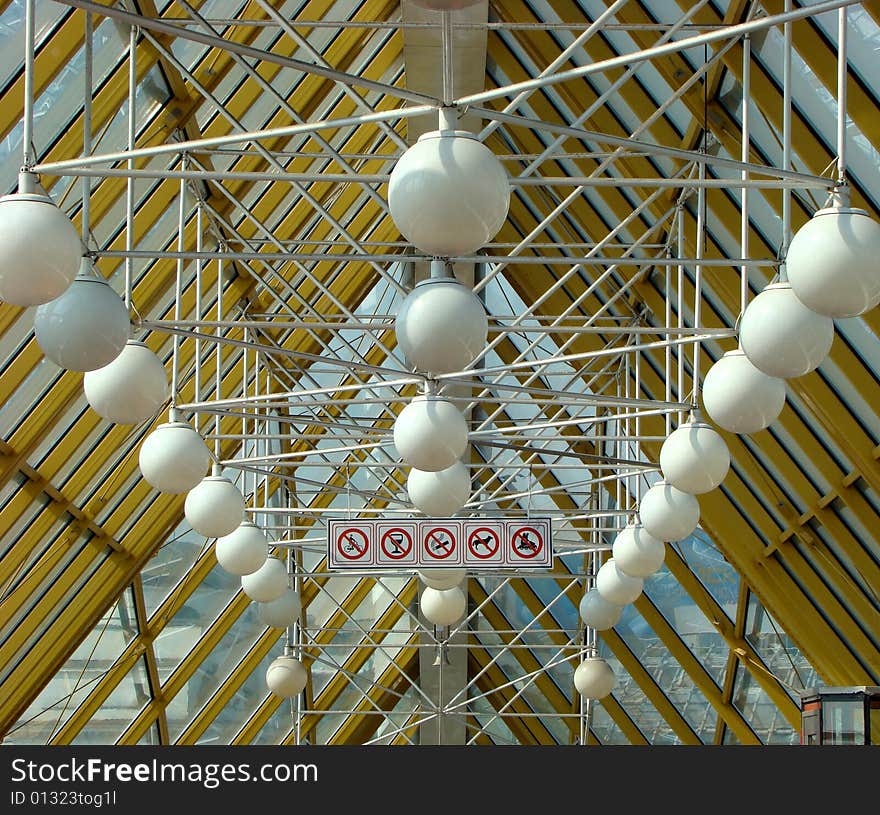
283 612
40 252
214 507
594 678
174 458
441 493
597 612
694 458
441 326
441 579
267 583
833 262
443 606
617 587
243 550
739 397
86 327
286 677
430 433
781 336
637 553
448 194
131 388
667 513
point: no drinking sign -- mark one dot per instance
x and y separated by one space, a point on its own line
415 543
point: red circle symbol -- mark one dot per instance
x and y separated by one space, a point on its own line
352 543
396 543
483 542
439 543
526 542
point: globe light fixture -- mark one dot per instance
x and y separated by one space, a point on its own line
441 493
694 457
129 390
781 336
174 458
637 553
84 328
40 252
430 433
243 550
283 612
739 397
267 583
286 677
441 579
667 513
443 606
597 612
594 678
448 194
214 507
441 326
617 587
833 262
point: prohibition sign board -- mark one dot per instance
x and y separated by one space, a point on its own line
526 542
352 543
439 543
396 543
483 542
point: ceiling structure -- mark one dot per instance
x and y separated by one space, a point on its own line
116 623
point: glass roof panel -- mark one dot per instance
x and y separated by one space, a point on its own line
195 617
68 688
778 651
763 716
46 18
670 676
212 670
119 709
713 570
632 698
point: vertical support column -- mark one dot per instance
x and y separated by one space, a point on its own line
443 671
445 62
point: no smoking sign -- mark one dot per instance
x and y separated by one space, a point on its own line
441 543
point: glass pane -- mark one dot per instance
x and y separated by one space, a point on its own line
843 721
402 712
151 736
689 621
243 704
71 685
604 728
665 669
169 565
778 651
119 709
277 726
715 573
633 700
760 712
213 669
